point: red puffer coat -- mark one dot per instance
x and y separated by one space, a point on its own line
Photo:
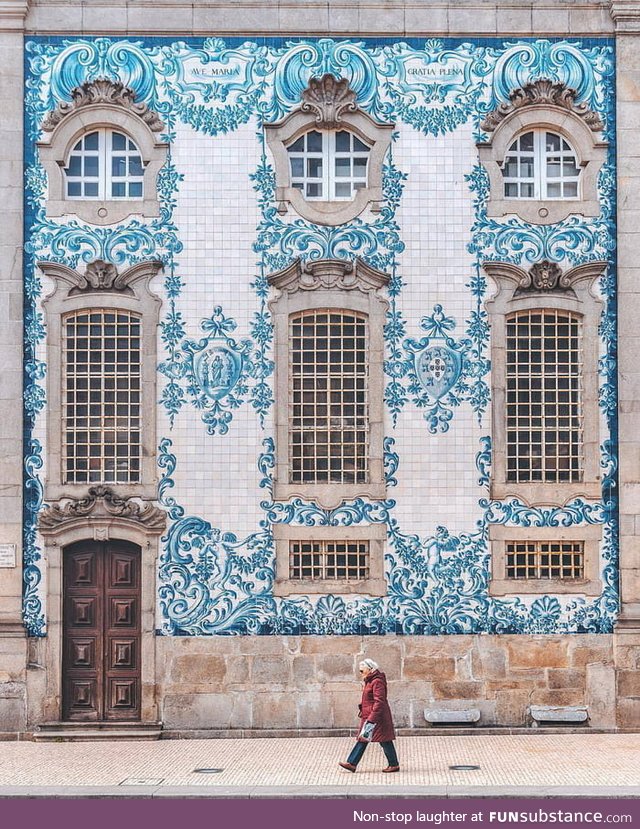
375 708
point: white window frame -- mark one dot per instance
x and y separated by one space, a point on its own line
540 156
105 178
329 154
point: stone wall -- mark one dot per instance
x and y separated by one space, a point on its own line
301 683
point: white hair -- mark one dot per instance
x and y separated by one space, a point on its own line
369 663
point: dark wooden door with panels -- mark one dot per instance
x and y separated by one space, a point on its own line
101 632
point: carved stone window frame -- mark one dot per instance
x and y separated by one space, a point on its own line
100 516
328 104
347 286
545 287
101 287
590 585
375 585
549 106
95 105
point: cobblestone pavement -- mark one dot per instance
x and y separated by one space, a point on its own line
572 764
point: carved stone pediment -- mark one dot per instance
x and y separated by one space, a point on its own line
545 92
99 505
544 276
100 276
102 91
328 97
341 274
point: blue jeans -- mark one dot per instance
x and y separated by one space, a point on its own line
360 748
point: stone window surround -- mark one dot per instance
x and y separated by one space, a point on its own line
129 292
591 155
46 652
577 297
348 286
337 115
375 585
499 585
56 145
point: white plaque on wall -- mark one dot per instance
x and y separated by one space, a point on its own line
7 555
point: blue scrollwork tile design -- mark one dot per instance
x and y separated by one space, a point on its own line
212 581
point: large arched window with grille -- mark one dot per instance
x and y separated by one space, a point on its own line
544 396
328 397
101 397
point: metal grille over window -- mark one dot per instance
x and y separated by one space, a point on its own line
328 427
328 560
328 165
543 397
104 165
101 429
541 165
544 560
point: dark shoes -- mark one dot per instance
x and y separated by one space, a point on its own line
347 766
388 768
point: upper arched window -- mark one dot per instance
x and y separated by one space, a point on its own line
328 165
102 152
543 155
541 165
328 155
104 164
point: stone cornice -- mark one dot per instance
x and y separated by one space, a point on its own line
544 277
626 15
13 14
102 91
100 276
542 92
341 274
101 504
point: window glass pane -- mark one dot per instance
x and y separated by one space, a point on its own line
343 141
314 141
118 189
314 190
343 167
135 165
553 142
511 167
297 146
360 146
314 167
119 141
135 189
526 142
526 167
571 189
553 168
297 167
343 189
553 190
118 166
569 169
360 167
75 166
527 191
91 166
91 188
73 188
511 190
91 141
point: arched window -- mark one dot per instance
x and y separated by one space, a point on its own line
328 400
328 165
541 165
544 415
104 164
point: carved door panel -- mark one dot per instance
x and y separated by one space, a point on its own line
101 656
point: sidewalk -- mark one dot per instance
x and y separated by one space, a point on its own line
557 765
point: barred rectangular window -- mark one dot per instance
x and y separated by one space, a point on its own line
544 397
328 560
544 560
101 425
328 388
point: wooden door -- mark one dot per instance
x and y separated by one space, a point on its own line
101 631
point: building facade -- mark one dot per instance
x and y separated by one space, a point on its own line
321 321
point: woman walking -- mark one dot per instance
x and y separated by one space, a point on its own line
376 724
